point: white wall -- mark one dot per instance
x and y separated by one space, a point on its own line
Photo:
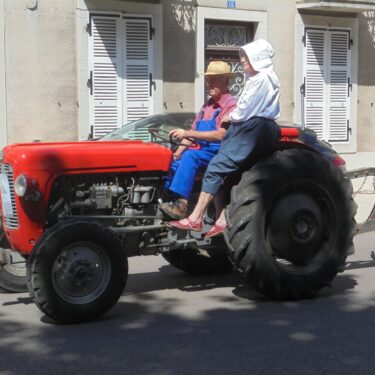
40 70
3 109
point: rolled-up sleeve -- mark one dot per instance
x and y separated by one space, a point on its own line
226 111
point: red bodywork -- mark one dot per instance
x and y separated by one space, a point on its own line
44 162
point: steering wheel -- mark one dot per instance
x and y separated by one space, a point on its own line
155 133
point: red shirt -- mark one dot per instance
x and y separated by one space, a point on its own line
227 103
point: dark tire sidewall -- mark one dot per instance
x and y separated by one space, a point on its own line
8 281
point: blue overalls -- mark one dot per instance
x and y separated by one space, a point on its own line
192 160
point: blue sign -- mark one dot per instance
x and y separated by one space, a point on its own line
231 3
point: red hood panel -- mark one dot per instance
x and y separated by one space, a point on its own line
88 156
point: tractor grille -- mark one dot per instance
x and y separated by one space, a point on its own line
10 216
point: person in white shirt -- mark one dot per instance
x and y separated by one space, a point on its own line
252 134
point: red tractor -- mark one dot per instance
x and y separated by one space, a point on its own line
74 212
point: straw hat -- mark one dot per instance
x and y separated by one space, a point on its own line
216 68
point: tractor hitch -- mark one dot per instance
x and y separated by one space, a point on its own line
369 224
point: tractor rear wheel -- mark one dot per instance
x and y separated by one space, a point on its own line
291 224
211 260
77 271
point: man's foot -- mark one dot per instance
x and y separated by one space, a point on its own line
186 224
175 210
215 231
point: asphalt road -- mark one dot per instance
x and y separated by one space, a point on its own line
169 323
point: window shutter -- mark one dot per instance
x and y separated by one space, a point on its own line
138 83
106 103
327 75
314 67
338 88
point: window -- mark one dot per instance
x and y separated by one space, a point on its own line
121 76
222 42
327 87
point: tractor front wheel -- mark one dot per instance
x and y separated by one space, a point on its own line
77 271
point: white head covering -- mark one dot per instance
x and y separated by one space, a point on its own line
259 54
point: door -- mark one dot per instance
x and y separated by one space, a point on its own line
222 42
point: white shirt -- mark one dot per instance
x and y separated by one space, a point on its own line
260 98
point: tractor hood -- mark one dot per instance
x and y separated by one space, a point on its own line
87 157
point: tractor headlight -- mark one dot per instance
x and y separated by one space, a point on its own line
27 188
20 185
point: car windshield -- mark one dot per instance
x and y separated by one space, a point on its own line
139 129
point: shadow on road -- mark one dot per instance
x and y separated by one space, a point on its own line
225 327
361 264
148 332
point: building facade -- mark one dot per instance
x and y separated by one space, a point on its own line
74 68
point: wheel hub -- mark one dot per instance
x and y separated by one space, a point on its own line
81 273
295 228
304 227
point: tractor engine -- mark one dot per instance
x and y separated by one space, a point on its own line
112 195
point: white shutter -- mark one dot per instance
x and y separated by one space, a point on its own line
314 64
106 85
338 89
326 71
137 68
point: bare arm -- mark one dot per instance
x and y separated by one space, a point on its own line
182 148
209 136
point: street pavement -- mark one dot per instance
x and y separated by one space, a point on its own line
167 322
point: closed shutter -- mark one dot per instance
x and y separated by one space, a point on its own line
137 68
326 70
106 101
121 71
315 72
339 62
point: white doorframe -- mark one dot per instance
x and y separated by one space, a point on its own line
84 8
203 14
3 106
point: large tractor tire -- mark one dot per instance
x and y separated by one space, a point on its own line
210 260
77 271
12 267
291 224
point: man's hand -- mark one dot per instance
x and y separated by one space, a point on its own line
179 134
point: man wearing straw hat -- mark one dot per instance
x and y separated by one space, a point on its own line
207 131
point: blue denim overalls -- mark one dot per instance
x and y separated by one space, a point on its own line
192 160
